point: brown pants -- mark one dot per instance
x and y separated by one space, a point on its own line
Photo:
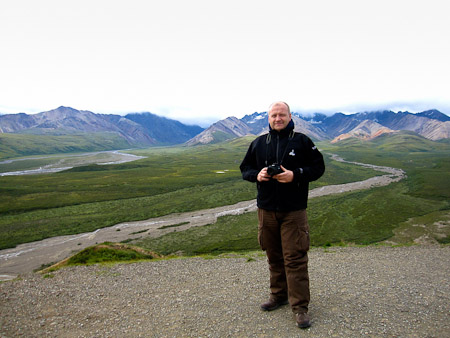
285 238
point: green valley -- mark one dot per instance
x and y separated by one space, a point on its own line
179 179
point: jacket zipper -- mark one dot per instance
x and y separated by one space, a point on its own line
276 183
278 146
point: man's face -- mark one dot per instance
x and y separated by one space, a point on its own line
279 117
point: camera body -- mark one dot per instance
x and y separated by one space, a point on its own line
274 169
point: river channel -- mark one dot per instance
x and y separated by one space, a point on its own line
58 163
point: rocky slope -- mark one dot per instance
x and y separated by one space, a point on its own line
231 127
366 130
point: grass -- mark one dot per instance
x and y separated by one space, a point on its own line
106 252
228 234
109 252
434 226
39 224
169 180
16 145
365 217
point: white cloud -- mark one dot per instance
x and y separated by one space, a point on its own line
204 60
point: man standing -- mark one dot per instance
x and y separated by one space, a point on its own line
282 163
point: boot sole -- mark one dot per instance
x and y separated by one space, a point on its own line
304 326
275 307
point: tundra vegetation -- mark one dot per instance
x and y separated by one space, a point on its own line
180 179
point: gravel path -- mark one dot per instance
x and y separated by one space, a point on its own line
366 291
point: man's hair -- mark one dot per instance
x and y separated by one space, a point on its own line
280 102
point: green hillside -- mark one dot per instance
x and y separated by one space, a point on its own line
17 145
402 144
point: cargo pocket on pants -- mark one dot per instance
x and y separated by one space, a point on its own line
303 239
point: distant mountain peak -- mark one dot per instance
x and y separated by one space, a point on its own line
230 127
435 115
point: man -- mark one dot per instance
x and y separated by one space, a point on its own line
282 163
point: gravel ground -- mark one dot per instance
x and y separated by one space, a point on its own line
366 291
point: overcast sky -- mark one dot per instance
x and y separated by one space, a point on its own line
203 60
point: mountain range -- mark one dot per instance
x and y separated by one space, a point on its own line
431 124
143 129
147 129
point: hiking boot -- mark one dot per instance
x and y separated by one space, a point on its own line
303 320
273 304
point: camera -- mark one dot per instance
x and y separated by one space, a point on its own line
274 169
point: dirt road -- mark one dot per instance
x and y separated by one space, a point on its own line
26 257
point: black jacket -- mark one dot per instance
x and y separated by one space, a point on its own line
296 152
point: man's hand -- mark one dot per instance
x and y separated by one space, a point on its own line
263 176
285 177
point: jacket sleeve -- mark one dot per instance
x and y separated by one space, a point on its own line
315 166
248 166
